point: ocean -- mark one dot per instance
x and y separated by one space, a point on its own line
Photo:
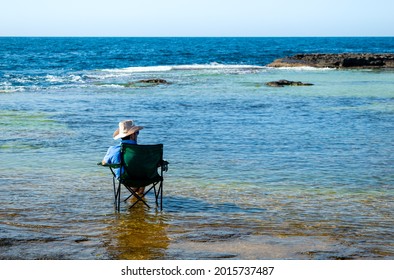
255 172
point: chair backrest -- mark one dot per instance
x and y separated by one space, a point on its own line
141 162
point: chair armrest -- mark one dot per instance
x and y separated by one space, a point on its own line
164 165
109 165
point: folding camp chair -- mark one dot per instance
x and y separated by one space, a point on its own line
139 168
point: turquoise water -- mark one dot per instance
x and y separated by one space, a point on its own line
255 172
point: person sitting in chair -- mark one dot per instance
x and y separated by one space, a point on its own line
128 133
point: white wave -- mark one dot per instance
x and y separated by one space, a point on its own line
110 86
301 68
107 75
215 66
11 89
8 90
54 79
6 87
140 69
165 68
63 79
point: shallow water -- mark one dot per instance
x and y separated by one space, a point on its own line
255 172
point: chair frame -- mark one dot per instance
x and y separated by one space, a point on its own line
156 184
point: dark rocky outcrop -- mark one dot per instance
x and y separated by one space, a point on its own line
153 81
148 82
340 61
282 83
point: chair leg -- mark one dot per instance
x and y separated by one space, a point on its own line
139 198
114 185
115 192
117 197
127 198
161 196
156 196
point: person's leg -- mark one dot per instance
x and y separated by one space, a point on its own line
141 191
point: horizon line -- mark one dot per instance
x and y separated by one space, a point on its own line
182 36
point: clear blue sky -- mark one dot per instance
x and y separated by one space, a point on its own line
197 18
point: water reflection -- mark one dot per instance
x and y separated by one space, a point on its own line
138 234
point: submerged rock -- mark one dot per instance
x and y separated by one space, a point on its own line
153 81
341 60
148 82
282 83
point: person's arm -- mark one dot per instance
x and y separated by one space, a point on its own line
112 156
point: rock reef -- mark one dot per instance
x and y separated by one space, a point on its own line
153 81
282 83
148 82
339 61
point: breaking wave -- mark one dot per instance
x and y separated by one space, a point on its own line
164 68
116 77
301 68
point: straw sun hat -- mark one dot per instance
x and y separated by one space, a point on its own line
126 128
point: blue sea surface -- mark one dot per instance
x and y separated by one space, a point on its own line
255 172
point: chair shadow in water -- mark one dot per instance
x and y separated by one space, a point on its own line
138 234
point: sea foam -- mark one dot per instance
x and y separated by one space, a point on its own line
164 68
301 68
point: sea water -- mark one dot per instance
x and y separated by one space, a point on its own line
255 172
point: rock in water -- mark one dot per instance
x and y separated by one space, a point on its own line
153 81
147 82
282 83
340 61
